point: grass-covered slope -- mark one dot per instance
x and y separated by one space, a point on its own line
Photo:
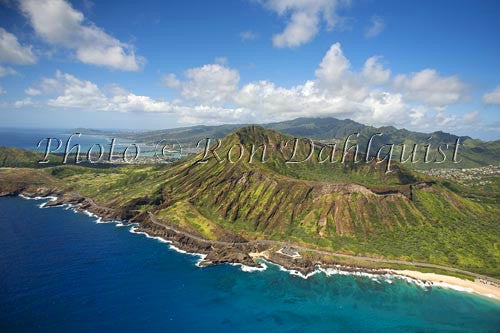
354 208
16 157
408 219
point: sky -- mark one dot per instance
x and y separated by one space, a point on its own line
421 65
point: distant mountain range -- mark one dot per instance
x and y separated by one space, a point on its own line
472 152
349 208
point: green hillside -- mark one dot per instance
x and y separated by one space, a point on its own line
350 208
15 157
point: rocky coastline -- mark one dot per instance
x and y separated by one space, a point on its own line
246 253
229 251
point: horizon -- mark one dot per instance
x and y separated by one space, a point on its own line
242 125
336 164
71 64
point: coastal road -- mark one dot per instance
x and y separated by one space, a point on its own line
324 252
302 248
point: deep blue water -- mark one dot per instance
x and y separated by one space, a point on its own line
28 138
60 271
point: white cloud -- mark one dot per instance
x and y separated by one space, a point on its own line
212 83
451 121
2 91
171 81
367 96
304 18
114 90
32 91
248 35
471 117
374 72
72 92
211 94
334 75
212 115
492 97
428 87
11 51
301 29
334 65
77 93
131 102
23 103
4 71
58 23
272 103
377 25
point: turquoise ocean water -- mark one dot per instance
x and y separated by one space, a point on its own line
62 272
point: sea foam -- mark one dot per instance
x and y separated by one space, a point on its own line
379 278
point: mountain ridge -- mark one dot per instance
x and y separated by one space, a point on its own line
347 208
474 152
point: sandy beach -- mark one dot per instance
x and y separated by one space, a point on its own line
477 286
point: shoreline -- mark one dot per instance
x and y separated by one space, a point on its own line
422 279
261 259
477 286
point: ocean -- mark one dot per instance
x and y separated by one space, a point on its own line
62 271
27 138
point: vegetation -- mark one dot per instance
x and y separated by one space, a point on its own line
15 157
349 208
